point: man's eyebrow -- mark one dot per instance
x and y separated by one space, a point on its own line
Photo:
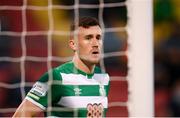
89 35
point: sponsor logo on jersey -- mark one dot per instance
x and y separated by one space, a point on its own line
39 89
77 91
95 110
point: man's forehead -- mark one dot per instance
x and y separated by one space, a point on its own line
90 30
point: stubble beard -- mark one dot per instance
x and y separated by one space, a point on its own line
87 60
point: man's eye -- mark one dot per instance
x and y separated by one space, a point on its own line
98 38
88 38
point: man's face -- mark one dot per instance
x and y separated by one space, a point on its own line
89 44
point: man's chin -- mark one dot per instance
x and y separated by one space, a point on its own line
91 60
95 61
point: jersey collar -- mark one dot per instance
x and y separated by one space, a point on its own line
88 75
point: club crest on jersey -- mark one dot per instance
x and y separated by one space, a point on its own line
39 89
102 90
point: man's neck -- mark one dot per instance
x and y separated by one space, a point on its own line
86 67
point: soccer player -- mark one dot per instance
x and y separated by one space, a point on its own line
77 88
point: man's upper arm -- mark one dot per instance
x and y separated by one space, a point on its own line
27 109
35 100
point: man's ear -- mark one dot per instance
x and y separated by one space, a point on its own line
72 44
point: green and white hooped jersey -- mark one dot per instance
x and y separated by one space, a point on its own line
69 92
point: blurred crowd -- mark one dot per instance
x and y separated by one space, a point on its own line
167 57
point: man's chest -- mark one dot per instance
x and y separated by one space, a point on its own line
80 85
78 91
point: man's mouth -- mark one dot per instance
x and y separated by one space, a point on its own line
95 52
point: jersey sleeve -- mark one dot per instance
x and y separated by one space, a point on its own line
41 92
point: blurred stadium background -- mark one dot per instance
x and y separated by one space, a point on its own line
167 57
36 44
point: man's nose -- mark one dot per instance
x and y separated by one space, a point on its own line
95 42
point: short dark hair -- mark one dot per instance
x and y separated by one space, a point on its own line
85 22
